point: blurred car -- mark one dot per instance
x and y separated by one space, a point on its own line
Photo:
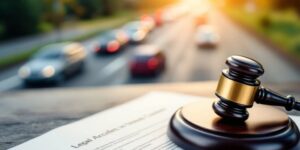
136 31
171 13
158 17
111 42
207 37
200 15
148 21
53 63
121 36
148 60
201 19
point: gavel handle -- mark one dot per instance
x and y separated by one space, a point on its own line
268 97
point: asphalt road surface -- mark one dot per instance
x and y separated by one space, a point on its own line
185 61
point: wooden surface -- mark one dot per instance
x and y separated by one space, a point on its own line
29 113
195 126
262 120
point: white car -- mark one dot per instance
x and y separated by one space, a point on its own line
206 36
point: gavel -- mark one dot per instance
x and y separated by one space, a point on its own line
225 123
238 88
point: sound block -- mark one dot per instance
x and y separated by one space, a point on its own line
197 127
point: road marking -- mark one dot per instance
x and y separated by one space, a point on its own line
112 67
10 83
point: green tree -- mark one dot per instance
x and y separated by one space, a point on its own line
108 7
287 4
54 12
90 8
20 17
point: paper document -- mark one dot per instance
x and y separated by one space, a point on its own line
140 124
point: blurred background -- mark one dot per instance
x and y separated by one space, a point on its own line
88 43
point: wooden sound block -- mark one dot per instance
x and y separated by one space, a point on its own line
196 126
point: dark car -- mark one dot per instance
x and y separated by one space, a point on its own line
53 63
137 31
111 42
148 60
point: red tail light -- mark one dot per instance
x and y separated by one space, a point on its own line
113 46
152 63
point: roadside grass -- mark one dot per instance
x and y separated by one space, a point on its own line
101 24
15 59
282 28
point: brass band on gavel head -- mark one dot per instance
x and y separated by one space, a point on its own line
236 92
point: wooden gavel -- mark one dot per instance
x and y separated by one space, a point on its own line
239 88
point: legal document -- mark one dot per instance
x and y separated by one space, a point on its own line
136 125
140 124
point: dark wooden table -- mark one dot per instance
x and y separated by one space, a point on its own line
29 113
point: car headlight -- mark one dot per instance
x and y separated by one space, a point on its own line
137 36
48 71
24 72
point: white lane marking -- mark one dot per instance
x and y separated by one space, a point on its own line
112 67
10 83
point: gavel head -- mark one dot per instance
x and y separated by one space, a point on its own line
237 88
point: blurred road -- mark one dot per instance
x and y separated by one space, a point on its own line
185 61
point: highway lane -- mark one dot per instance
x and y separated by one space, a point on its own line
206 64
116 70
198 64
99 69
185 61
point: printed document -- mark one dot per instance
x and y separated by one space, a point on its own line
140 124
